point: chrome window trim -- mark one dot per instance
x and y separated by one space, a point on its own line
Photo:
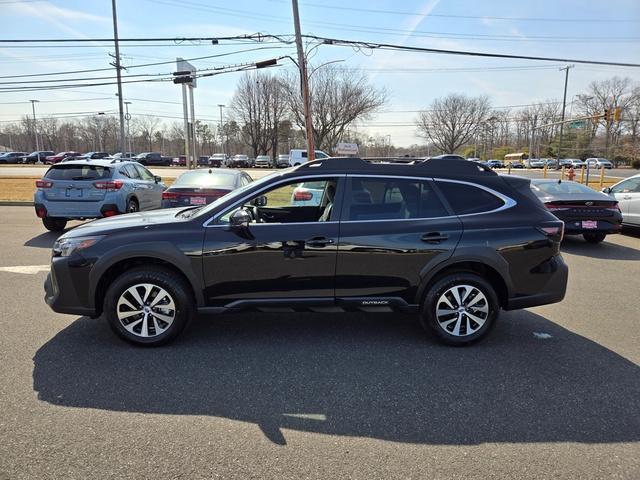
286 180
508 201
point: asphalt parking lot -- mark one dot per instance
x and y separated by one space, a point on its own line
554 392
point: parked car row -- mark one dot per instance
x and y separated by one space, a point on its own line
81 189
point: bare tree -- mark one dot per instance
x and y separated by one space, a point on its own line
146 125
339 98
257 107
454 120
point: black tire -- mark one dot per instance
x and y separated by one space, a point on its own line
445 326
132 206
160 278
54 224
594 237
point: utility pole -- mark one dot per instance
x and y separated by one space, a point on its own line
564 106
128 117
118 75
222 143
35 124
304 84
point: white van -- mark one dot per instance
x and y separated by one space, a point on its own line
297 157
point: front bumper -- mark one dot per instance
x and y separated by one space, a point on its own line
66 288
552 292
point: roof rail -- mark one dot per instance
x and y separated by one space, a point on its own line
424 166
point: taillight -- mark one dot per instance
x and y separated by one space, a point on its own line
41 212
110 213
44 184
169 195
614 207
109 185
555 207
302 195
554 230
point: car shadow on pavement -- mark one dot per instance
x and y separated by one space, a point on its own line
349 374
605 250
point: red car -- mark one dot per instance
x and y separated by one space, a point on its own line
180 161
60 156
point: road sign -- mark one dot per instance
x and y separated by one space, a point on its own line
577 124
347 149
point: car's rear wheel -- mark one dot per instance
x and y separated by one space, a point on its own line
132 206
148 306
460 308
54 224
594 237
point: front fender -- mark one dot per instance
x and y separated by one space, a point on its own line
163 251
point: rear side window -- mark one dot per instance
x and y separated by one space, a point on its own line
392 199
78 172
466 199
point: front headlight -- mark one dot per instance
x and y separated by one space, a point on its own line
66 246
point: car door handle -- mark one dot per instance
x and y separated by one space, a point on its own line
627 197
318 242
434 237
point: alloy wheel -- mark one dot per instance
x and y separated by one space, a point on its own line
146 310
462 310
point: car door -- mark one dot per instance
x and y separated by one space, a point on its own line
291 256
392 228
627 193
153 190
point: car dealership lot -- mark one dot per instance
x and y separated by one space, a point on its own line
553 392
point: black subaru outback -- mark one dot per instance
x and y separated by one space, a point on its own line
448 239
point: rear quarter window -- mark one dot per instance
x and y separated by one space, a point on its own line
466 199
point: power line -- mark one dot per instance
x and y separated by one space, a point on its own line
395 47
472 17
70 72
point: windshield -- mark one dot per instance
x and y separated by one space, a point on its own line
236 194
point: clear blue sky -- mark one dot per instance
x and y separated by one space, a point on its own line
412 80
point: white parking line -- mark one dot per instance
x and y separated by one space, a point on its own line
26 269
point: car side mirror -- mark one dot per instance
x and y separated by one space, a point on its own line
157 178
240 219
260 201
606 190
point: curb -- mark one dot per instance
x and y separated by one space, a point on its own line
15 204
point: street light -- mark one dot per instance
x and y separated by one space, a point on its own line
128 117
99 122
35 124
222 143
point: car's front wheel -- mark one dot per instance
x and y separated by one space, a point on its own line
54 224
594 237
148 306
460 308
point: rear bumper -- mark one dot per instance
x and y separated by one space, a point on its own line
552 292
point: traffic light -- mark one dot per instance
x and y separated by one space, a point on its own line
182 77
617 114
607 115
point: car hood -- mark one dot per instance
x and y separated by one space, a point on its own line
138 220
